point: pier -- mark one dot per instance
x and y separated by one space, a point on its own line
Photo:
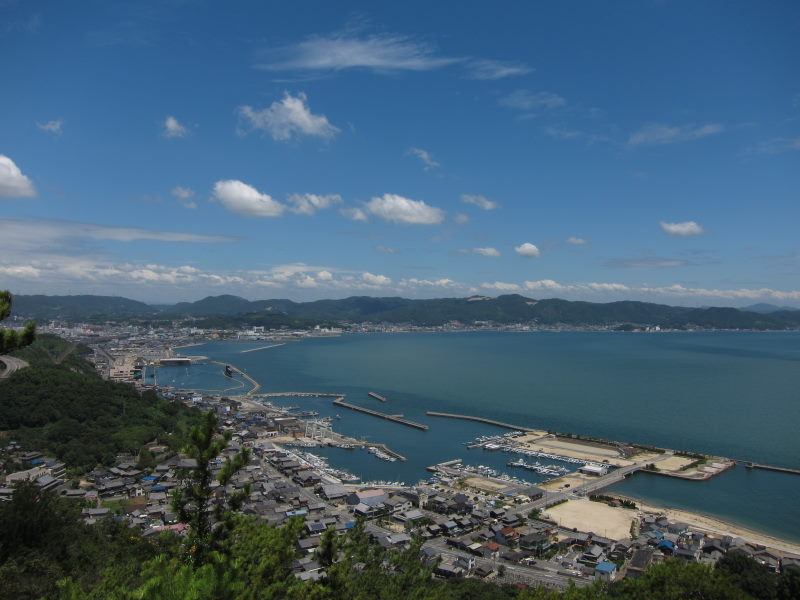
376 396
262 348
253 382
433 413
752 465
375 413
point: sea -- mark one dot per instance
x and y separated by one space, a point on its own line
732 394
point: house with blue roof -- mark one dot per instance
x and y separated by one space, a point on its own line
605 571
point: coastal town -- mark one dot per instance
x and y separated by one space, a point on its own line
475 521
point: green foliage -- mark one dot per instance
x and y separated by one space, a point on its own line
66 409
11 340
676 580
749 575
192 500
43 539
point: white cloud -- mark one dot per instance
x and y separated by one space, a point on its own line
398 209
501 286
324 276
385 250
527 100
683 229
173 128
376 280
428 162
288 117
461 219
413 282
336 52
13 184
496 69
182 193
657 133
354 213
31 237
243 199
527 250
308 204
479 201
776 146
53 127
494 252
577 241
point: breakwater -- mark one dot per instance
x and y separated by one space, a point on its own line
376 396
253 382
433 413
375 413
262 348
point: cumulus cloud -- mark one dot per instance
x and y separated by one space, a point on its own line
501 286
481 202
13 184
376 280
496 69
427 160
53 127
527 100
287 118
683 229
461 219
340 51
173 128
494 252
413 282
354 213
385 250
654 134
182 193
398 209
527 250
243 199
308 204
577 241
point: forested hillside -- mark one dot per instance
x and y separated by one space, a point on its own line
59 405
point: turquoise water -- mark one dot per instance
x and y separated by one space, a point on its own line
730 394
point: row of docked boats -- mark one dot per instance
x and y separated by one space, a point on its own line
378 453
538 468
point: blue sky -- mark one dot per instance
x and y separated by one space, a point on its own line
166 151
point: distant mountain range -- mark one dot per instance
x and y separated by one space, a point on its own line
230 311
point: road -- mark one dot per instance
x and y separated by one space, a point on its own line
12 364
592 485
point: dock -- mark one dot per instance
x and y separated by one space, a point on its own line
253 382
387 450
375 413
376 396
433 413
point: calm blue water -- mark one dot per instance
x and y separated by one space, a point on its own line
731 394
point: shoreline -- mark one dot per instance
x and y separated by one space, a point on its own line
706 523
